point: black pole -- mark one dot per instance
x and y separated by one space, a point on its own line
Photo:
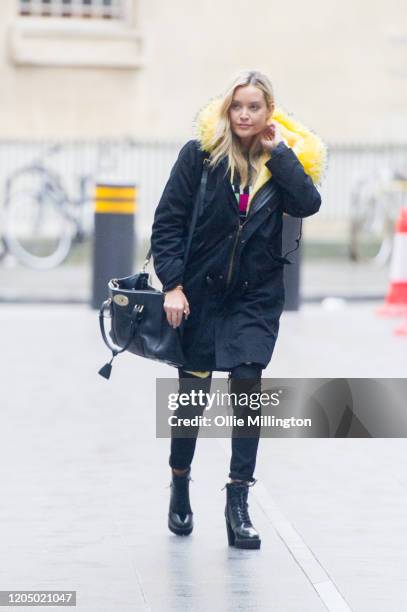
114 239
292 279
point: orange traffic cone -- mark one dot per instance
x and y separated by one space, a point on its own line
396 299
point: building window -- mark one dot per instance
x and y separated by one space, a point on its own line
82 9
68 33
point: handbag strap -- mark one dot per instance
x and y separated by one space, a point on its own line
198 200
297 240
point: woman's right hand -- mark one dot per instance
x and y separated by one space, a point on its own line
175 305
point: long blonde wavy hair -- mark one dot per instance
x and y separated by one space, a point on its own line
224 141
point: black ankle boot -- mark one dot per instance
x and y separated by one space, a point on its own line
240 530
180 515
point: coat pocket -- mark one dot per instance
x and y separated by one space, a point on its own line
272 266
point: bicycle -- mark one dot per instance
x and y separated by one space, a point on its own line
374 207
42 222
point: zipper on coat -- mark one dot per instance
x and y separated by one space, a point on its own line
233 254
239 229
230 267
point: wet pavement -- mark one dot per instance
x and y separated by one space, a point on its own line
85 481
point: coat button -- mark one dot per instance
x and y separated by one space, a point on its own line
243 241
230 236
209 280
220 275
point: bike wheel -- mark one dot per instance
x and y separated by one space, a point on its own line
3 248
371 231
37 231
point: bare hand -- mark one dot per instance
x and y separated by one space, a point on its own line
175 305
271 136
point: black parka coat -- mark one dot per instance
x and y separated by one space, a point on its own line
233 278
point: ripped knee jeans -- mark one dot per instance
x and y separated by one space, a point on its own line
244 378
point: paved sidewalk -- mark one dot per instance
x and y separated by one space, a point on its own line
85 492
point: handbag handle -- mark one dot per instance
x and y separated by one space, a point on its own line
136 317
199 198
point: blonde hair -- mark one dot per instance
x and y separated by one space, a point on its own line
225 143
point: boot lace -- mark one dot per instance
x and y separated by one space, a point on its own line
238 502
242 509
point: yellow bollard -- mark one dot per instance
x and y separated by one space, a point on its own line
114 236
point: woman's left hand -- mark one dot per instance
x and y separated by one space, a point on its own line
271 136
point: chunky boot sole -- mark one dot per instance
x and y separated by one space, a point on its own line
248 543
178 531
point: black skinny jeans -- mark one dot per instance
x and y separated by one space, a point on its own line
244 378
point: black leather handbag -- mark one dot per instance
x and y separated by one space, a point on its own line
138 319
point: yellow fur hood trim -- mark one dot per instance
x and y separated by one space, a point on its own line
308 147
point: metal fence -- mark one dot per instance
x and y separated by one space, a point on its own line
148 165
347 165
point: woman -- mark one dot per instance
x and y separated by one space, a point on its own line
261 165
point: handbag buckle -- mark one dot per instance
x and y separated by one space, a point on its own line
138 309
